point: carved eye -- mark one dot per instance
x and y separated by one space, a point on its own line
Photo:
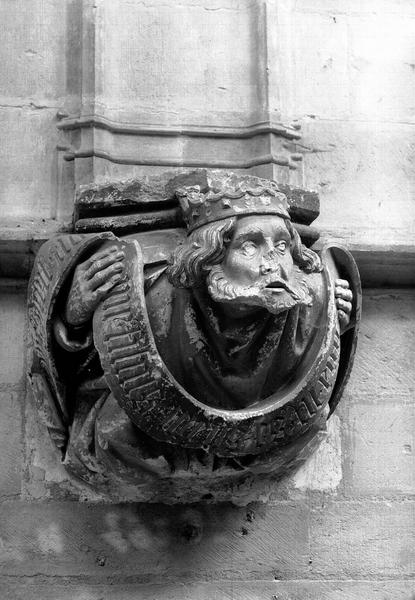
281 246
249 248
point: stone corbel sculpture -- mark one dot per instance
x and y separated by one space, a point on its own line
182 363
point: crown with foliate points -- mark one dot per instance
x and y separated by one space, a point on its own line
200 208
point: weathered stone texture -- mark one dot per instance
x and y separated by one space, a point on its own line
33 81
12 347
379 449
11 455
350 85
28 178
384 364
64 589
33 38
366 169
358 540
191 87
12 378
350 71
156 543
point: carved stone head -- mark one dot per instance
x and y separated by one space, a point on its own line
243 247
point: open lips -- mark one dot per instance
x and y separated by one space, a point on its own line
277 286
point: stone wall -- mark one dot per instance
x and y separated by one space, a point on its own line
174 83
343 526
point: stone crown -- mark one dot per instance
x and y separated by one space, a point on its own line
200 208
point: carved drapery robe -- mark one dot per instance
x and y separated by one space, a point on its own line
232 363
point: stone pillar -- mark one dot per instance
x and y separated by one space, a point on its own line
191 85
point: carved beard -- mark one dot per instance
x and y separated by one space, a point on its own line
276 295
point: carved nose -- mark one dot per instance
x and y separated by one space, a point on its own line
265 268
269 265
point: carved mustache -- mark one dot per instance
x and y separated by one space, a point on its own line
221 289
278 284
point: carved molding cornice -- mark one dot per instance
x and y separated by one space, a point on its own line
118 143
212 131
159 161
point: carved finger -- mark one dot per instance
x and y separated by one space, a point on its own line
342 283
103 276
99 256
343 318
344 305
348 309
344 293
104 262
107 287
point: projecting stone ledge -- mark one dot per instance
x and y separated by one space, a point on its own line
380 265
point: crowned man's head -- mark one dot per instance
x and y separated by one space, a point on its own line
242 247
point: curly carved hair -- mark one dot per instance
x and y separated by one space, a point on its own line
206 247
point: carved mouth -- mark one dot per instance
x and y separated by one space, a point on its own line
277 286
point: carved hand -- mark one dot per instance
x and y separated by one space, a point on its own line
92 281
344 297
